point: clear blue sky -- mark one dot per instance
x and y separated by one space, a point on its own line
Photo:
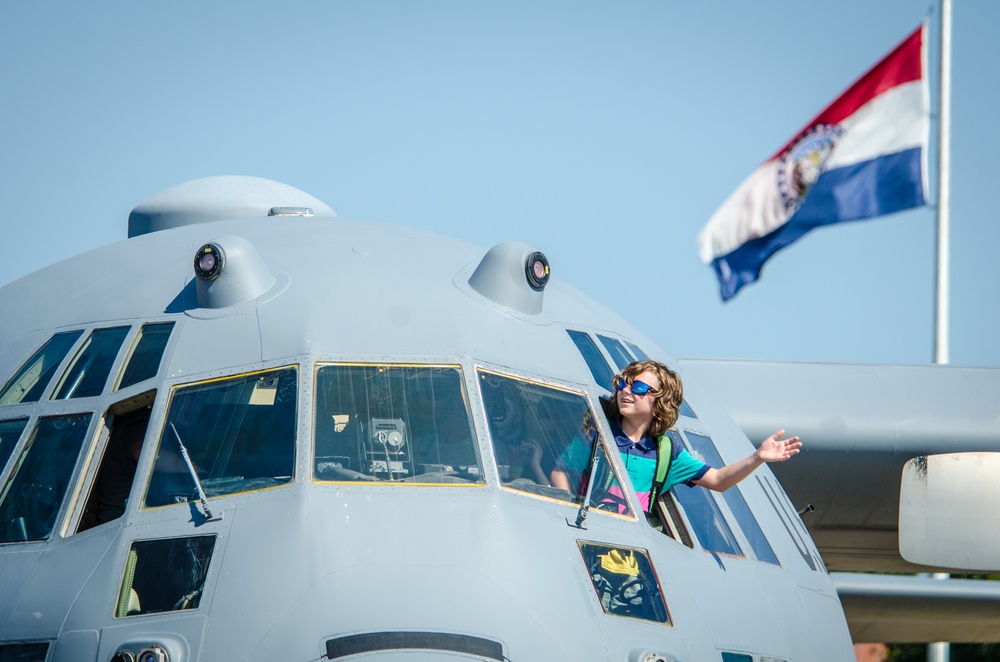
603 133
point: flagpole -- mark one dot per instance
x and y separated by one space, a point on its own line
944 187
941 652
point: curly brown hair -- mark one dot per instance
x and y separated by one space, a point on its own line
667 400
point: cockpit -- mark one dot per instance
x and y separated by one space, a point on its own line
371 424
80 411
90 424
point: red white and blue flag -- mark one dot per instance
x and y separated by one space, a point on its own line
863 156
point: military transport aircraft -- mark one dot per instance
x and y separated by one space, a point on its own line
254 430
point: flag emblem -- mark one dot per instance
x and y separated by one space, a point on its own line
863 156
802 164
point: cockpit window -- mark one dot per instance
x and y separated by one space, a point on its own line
10 433
34 491
239 433
637 351
616 350
29 382
625 582
543 440
143 360
704 515
88 371
592 355
394 423
164 575
24 652
703 448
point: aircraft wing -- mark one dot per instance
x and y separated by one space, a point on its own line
907 609
860 424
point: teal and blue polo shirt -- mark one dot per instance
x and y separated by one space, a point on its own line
640 463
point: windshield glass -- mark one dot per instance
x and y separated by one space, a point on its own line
34 492
239 433
543 439
29 382
87 373
147 350
394 423
598 366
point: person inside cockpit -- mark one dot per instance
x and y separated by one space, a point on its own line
517 455
118 469
647 401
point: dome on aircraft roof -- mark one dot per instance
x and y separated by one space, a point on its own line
220 198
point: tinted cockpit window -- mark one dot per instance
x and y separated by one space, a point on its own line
34 491
89 370
392 423
625 582
616 350
147 350
637 351
707 521
29 382
24 652
704 449
164 575
598 366
239 433
544 439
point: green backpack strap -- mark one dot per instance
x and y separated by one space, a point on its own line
664 454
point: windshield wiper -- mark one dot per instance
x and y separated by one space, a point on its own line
581 515
194 474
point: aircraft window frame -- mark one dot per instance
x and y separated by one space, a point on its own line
138 358
47 502
686 410
616 350
37 388
9 441
574 457
703 447
609 577
99 494
671 519
411 424
637 351
217 429
705 518
170 568
91 364
600 369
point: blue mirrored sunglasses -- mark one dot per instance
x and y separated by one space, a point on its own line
636 387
